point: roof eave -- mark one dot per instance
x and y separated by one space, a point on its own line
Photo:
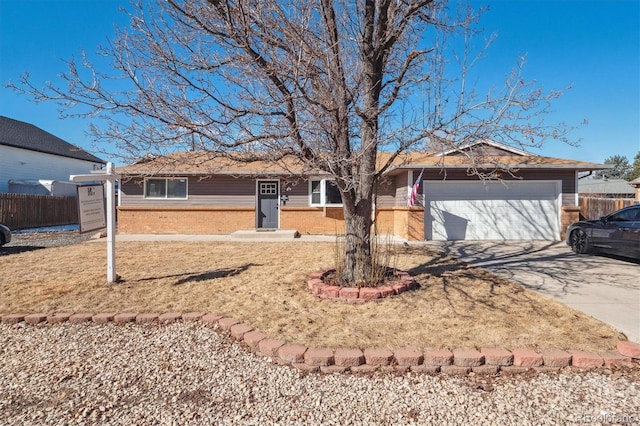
580 168
206 173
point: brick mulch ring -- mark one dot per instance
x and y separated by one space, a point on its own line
367 360
316 281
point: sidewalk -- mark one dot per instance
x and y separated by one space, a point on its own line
243 236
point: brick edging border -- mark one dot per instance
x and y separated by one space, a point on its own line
330 360
315 282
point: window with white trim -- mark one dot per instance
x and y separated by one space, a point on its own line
324 192
268 188
165 188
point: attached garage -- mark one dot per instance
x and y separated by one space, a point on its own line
506 210
422 196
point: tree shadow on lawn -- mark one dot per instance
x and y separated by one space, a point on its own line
9 250
475 285
212 275
189 277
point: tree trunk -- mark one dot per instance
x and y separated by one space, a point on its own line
358 260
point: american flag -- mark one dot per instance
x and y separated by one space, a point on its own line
414 190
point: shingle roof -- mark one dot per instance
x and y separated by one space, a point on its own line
19 134
605 186
201 163
427 161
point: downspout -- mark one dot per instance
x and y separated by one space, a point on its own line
587 175
578 177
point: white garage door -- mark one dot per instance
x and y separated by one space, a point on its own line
463 210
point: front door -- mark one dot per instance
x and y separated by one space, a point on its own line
268 204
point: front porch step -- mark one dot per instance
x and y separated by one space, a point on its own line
266 234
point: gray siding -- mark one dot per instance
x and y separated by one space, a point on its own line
485 151
226 191
401 182
298 194
386 192
567 177
217 191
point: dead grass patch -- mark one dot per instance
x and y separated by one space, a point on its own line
264 285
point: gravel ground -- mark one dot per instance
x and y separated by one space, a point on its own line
24 240
188 373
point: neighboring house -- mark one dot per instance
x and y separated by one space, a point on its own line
188 193
31 156
636 184
606 188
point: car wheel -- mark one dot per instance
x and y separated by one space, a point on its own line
580 243
1 240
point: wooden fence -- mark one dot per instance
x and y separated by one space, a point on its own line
19 211
595 208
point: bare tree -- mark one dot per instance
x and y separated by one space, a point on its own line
621 168
329 83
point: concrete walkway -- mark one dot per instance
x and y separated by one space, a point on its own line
246 236
604 287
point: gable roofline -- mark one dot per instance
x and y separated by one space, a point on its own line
541 163
489 142
21 135
517 160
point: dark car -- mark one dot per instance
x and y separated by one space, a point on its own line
617 233
5 235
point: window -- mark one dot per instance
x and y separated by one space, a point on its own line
332 193
316 192
268 188
629 215
324 192
165 188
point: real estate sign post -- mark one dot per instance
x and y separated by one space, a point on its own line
91 209
109 177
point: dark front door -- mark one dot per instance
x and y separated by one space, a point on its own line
268 204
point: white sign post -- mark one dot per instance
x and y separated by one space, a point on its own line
109 177
91 208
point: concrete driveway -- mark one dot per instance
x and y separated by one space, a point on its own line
604 287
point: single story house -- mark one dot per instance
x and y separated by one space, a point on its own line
30 156
187 193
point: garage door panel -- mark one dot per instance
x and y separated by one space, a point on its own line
472 211
495 191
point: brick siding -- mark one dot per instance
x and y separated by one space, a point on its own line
569 215
403 222
185 220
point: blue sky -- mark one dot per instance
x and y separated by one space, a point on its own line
592 45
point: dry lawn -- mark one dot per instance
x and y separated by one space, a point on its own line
263 284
